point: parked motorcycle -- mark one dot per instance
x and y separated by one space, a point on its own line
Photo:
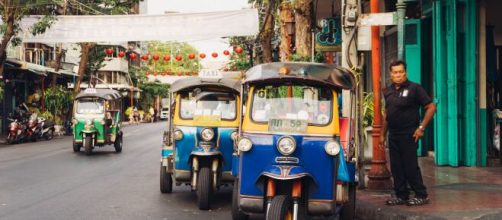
33 129
46 128
17 131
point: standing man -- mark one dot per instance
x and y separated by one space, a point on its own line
402 119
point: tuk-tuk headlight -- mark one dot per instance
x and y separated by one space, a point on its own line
332 148
178 135
88 124
207 134
244 144
234 136
286 145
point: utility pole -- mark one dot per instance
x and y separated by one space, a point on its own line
379 175
401 10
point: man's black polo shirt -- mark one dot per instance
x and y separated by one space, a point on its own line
402 107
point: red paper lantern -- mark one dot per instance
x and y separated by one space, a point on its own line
226 52
155 57
238 50
132 56
179 57
121 54
167 58
202 55
191 56
214 54
109 51
144 57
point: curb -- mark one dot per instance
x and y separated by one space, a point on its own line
369 211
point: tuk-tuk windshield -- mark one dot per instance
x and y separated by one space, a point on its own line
216 105
90 106
292 102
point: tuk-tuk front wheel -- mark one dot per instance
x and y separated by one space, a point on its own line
237 214
118 144
349 209
76 147
204 188
281 208
166 181
88 144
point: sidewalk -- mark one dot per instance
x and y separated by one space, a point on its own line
455 193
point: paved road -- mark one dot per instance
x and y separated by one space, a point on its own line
47 180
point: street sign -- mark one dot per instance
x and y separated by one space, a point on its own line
212 74
378 19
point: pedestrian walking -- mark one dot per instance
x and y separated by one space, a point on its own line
403 100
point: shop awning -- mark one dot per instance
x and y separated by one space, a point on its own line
37 69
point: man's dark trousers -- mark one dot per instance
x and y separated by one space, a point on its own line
404 166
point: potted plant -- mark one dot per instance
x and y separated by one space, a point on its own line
56 100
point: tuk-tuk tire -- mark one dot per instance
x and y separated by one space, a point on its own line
279 207
204 188
166 180
118 144
348 211
87 144
76 147
237 214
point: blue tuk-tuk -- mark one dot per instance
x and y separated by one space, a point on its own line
294 156
199 144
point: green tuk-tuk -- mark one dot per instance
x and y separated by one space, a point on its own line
97 119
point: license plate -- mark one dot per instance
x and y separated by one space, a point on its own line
287 125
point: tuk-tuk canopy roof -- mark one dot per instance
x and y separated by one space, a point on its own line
107 94
327 74
194 82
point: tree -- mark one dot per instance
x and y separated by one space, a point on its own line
303 23
12 13
267 18
93 7
286 16
242 61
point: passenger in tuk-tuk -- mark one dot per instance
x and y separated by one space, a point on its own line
108 124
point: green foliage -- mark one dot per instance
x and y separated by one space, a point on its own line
172 49
96 59
151 90
42 25
241 62
367 109
47 115
57 99
318 58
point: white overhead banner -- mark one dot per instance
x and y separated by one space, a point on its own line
169 27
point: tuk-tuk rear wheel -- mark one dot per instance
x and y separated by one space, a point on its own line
237 214
118 144
204 188
88 144
281 208
166 181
